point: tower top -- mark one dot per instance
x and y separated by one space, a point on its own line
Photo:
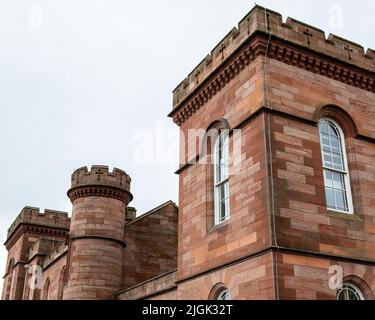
34 217
210 75
99 181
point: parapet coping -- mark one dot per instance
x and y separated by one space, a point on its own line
271 22
147 281
35 211
147 214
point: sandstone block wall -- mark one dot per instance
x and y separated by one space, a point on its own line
151 245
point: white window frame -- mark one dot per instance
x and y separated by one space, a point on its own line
352 287
224 295
219 218
346 167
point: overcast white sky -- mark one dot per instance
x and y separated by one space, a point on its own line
81 79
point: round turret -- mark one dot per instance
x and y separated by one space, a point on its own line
99 199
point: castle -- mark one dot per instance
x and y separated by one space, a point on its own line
291 216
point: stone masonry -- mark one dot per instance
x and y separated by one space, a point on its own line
272 82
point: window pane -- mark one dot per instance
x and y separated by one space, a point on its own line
222 211
334 162
224 201
340 201
224 171
332 130
221 179
349 292
226 190
337 162
331 146
221 159
324 127
330 198
222 192
227 208
335 145
328 160
225 295
218 174
328 179
338 181
325 141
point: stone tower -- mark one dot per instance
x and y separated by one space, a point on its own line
95 258
31 236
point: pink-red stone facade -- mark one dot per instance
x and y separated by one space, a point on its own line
275 92
273 81
151 245
92 255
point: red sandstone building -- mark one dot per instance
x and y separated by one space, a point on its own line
292 218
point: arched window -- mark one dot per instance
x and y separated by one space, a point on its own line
46 289
335 167
62 284
9 282
224 295
349 291
221 178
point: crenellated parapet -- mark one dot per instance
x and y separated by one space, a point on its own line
58 250
99 181
100 199
48 218
262 32
43 247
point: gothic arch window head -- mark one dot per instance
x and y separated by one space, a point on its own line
221 178
335 167
349 291
46 289
9 284
62 284
220 292
211 135
10 266
224 295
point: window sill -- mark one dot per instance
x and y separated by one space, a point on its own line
219 227
346 216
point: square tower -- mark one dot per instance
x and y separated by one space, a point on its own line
277 197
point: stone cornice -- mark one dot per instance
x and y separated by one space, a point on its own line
98 236
49 218
281 50
322 64
100 191
272 111
271 22
218 80
34 229
282 250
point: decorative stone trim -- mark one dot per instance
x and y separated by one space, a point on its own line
93 236
351 75
212 86
35 230
288 53
100 191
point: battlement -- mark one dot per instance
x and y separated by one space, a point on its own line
57 251
43 247
48 218
262 20
131 214
100 175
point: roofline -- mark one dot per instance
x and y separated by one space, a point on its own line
148 213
